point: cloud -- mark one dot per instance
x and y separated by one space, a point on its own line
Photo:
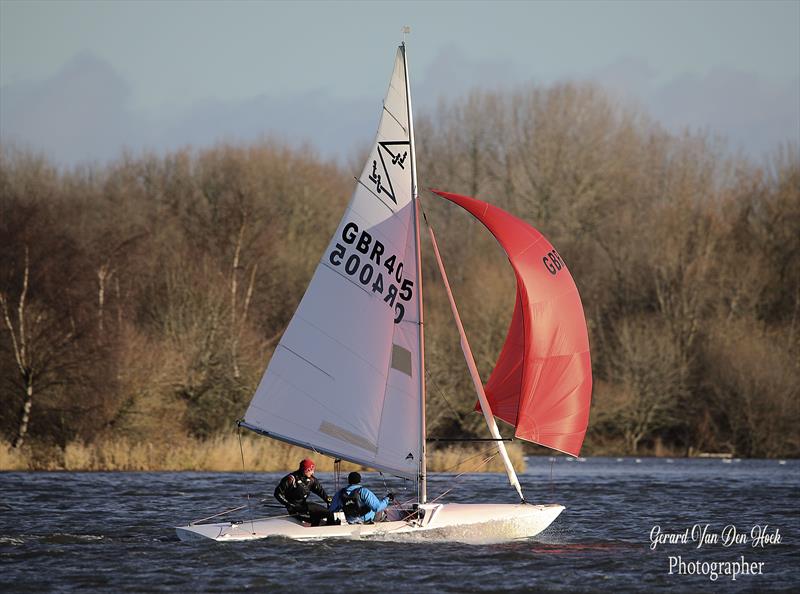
79 114
330 126
754 114
452 73
83 113
628 76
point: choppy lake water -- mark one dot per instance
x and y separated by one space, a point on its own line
114 532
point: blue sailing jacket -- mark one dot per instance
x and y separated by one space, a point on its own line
367 499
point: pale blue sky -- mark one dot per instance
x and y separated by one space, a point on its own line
80 80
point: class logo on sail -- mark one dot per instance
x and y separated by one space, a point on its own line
392 154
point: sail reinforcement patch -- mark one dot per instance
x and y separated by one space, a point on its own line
401 359
348 436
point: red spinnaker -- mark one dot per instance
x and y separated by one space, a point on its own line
542 381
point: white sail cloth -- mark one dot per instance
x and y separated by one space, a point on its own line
344 379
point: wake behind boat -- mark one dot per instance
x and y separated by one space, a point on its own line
347 380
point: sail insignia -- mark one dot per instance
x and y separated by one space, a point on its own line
392 156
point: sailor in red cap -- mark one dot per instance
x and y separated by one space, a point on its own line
293 491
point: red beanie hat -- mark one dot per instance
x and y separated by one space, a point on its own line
306 464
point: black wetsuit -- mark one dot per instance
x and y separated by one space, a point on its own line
293 491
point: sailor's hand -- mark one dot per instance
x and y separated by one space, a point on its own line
390 496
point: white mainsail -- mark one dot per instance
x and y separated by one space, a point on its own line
345 379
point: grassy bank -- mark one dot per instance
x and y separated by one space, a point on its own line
221 454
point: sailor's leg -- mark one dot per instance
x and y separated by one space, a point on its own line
319 513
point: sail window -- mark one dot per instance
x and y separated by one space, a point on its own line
401 359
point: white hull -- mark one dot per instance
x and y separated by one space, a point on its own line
452 521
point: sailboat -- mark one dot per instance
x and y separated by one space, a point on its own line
347 378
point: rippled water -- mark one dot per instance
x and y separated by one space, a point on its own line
114 532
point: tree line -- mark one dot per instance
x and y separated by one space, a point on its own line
142 299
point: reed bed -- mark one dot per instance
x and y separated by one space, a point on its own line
223 454
12 459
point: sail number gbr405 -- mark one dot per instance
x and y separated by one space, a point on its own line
365 259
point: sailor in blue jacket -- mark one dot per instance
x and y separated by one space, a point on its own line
358 503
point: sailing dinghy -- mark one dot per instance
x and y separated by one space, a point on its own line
347 380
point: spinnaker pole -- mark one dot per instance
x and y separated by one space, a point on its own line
476 378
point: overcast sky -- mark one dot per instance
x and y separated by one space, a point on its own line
80 81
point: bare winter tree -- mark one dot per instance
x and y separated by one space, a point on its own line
19 341
647 381
42 346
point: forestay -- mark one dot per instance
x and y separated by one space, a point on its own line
344 379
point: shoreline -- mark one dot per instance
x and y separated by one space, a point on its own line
221 454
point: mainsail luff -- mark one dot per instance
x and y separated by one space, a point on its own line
422 480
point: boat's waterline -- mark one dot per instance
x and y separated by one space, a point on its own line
459 522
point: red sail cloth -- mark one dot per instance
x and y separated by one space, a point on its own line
542 381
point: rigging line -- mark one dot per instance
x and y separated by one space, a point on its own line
466 439
465 460
227 511
441 393
457 477
246 479
233 509
386 488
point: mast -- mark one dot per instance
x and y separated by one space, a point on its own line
476 379
423 489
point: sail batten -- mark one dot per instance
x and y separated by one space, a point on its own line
365 460
381 200
395 118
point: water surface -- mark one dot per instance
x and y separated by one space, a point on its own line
62 532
